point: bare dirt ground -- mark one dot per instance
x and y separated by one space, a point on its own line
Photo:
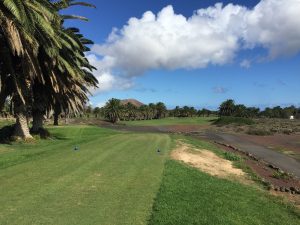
208 162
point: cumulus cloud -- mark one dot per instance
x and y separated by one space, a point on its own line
107 80
220 90
211 36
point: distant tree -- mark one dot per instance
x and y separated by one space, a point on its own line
161 110
97 112
204 112
240 111
227 108
112 110
152 111
176 111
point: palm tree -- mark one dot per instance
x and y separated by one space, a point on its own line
44 65
68 77
97 112
161 110
24 27
112 110
227 108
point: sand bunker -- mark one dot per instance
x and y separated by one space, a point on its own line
208 162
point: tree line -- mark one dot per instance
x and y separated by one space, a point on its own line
229 108
43 64
114 111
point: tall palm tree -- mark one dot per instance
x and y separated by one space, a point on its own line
24 26
161 110
112 110
68 77
227 108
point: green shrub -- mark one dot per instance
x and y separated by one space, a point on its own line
281 175
231 156
227 120
259 131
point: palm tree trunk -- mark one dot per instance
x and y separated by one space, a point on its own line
55 119
57 111
37 122
21 128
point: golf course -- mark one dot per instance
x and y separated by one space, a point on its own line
149 112
93 175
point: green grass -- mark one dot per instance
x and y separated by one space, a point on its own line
171 121
227 120
112 179
188 196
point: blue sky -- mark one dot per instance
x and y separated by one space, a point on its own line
252 64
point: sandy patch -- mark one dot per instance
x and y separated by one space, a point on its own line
208 162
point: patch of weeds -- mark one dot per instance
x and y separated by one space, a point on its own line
287 131
231 156
227 120
259 132
281 175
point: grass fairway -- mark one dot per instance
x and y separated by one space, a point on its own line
188 196
112 179
172 121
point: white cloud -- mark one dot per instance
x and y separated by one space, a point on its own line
213 35
274 25
107 81
219 90
245 63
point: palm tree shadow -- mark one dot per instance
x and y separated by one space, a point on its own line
6 133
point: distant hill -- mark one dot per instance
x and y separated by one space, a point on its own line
132 101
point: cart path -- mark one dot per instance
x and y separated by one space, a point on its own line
280 160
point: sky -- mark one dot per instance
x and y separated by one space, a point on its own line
194 52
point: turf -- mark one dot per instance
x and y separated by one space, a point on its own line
171 121
188 196
112 178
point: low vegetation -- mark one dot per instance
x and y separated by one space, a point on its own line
231 156
227 120
259 131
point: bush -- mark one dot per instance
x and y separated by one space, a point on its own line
281 175
231 156
227 120
259 132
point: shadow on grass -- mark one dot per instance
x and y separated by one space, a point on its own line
6 133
